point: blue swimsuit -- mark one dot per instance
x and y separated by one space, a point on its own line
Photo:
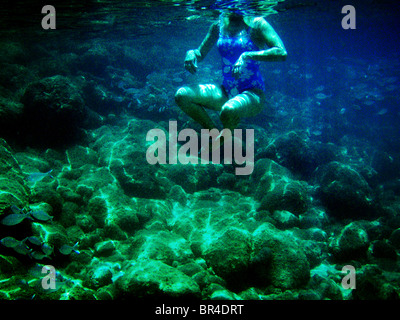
230 49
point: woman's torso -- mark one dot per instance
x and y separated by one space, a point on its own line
232 42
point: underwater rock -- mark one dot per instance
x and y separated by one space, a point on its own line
93 180
344 191
373 283
54 111
208 282
10 114
123 152
97 209
209 214
387 166
351 243
178 194
224 294
10 265
314 217
287 266
324 287
164 246
194 178
229 255
47 194
383 249
190 268
14 190
299 154
283 195
285 219
316 252
15 77
151 278
100 276
94 60
276 190
54 235
86 223
101 100
104 248
110 208
13 52
395 238
79 156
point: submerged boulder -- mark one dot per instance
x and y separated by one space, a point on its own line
151 278
298 153
284 263
12 183
54 111
276 188
351 243
344 191
10 114
229 255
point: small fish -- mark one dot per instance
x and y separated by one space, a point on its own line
15 209
22 248
36 270
132 91
47 249
382 112
39 176
322 96
34 240
10 242
67 249
40 215
15 218
391 79
118 98
391 87
23 284
369 102
316 132
121 84
37 255
342 111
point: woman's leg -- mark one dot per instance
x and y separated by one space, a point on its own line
193 100
246 104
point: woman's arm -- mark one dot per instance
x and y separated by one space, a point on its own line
197 55
209 41
266 34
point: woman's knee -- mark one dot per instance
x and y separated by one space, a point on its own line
229 116
183 96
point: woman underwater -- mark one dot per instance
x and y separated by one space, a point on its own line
243 42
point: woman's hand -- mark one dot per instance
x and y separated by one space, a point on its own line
239 64
191 60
